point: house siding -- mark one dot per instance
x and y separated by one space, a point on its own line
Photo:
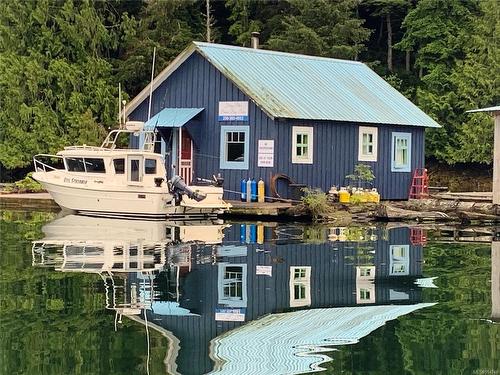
198 84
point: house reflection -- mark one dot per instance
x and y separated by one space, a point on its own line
204 291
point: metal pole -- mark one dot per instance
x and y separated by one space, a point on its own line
495 280
180 152
151 84
496 159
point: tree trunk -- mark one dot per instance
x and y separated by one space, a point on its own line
208 21
389 42
407 60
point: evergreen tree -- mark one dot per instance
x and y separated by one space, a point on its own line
440 31
321 27
56 87
168 25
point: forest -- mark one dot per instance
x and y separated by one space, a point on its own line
61 60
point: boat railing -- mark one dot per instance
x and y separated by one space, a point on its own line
41 166
86 148
146 141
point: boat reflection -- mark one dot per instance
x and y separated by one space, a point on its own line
245 298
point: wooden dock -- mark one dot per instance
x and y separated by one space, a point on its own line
472 196
28 201
258 208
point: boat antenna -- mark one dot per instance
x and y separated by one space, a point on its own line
124 113
119 105
151 85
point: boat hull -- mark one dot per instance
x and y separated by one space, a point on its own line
123 204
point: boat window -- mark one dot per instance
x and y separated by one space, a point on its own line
95 165
119 166
150 166
75 164
134 170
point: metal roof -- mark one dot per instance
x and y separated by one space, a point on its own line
489 109
171 118
296 86
294 343
286 85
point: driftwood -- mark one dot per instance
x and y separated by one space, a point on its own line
389 212
439 210
448 206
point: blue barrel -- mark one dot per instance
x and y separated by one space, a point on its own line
243 233
253 233
253 191
243 188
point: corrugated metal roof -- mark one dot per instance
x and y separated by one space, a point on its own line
296 86
292 343
488 109
171 118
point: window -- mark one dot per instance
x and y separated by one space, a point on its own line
232 284
234 147
399 260
302 145
119 166
134 169
300 286
75 164
364 294
368 140
401 152
95 165
150 166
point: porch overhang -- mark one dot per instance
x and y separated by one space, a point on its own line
171 118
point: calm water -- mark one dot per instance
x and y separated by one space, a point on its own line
97 296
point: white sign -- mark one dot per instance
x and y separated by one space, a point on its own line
233 111
264 270
265 154
230 315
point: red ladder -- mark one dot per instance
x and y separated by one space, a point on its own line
420 184
418 236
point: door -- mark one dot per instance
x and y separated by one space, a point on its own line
186 160
134 170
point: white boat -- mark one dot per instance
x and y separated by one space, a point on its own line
121 182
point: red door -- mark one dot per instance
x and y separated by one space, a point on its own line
186 157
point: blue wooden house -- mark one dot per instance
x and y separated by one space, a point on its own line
253 113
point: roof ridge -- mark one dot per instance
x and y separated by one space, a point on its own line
273 52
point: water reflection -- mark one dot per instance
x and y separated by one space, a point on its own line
495 279
245 298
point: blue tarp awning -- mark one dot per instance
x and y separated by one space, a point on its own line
171 118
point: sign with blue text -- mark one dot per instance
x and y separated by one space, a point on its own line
233 111
229 315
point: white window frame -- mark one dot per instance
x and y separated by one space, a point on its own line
221 281
365 292
309 131
399 263
303 280
365 273
395 167
223 162
374 132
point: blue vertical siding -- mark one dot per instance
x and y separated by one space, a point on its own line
197 83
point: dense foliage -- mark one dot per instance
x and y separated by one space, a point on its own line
61 60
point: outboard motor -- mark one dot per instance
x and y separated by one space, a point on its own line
179 187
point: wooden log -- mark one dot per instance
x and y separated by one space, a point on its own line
448 206
389 212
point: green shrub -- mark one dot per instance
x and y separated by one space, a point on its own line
316 201
362 173
26 185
